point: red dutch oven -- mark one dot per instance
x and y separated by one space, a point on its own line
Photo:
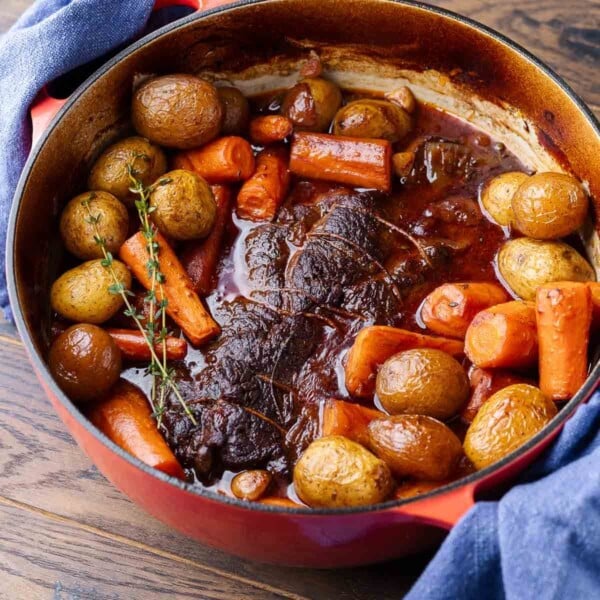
450 61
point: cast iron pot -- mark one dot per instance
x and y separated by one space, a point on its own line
449 61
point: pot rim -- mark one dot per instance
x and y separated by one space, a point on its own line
42 370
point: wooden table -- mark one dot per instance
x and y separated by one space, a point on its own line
67 534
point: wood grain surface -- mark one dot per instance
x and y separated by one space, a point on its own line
67 534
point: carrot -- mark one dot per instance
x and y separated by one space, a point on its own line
359 162
504 335
451 307
283 502
270 129
564 316
260 197
595 292
133 346
485 383
200 257
226 160
375 344
348 419
126 419
184 306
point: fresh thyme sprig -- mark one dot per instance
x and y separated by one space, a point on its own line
162 375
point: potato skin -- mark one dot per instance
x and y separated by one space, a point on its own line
78 234
422 381
236 111
85 362
505 422
81 294
549 206
372 119
184 205
335 472
497 195
416 446
110 172
251 485
526 264
311 104
177 111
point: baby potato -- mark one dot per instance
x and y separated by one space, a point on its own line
422 381
251 485
311 104
497 195
416 446
526 264
236 111
85 362
82 294
372 119
506 421
111 172
183 205
177 111
78 234
334 472
549 206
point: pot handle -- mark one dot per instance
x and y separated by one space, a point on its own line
45 107
441 511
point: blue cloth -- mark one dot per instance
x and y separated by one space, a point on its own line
541 540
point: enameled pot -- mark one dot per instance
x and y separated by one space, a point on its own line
447 60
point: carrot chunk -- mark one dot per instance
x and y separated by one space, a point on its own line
504 335
564 316
260 197
226 160
184 306
359 162
133 345
348 419
200 257
450 308
375 344
126 419
270 129
595 293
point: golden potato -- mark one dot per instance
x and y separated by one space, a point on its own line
506 421
183 205
334 472
416 446
311 104
251 485
372 119
422 381
78 233
549 206
82 294
111 172
526 264
497 195
236 111
177 111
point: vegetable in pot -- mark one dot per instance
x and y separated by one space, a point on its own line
497 195
251 485
236 111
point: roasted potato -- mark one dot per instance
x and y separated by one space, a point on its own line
372 119
177 111
236 111
85 362
404 98
79 234
506 421
183 205
549 206
334 472
422 381
415 446
132 156
497 195
82 294
311 104
251 485
525 264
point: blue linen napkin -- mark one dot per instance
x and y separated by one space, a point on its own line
541 540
